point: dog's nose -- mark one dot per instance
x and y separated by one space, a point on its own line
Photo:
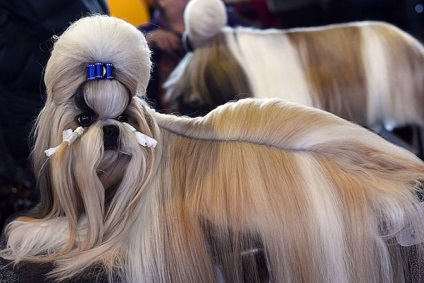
110 137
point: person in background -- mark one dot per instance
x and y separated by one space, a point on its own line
163 34
26 30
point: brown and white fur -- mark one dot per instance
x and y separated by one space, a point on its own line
324 199
371 73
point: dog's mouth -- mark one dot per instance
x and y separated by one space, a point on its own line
110 137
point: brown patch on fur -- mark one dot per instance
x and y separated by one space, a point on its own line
213 77
406 72
354 197
334 71
225 76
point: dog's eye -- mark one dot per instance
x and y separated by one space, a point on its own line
85 120
122 118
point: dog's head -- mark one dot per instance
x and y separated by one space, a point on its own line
95 138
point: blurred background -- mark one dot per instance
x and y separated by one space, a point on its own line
406 14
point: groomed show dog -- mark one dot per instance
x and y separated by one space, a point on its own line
257 190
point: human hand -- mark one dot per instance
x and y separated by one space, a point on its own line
164 40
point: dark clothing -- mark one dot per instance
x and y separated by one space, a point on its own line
24 273
163 63
26 29
38 272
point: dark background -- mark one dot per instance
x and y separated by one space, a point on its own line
406 14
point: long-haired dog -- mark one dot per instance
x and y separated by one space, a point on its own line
367 72
257 190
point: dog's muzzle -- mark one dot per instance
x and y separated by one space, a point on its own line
110 137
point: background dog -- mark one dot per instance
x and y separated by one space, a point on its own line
371 73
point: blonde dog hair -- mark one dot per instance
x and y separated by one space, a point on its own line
324 199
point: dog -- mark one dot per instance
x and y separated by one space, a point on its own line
258 190
368 72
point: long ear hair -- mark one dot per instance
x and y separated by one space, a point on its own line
84 42
207 78
88 195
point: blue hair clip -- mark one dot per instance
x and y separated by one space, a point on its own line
99 71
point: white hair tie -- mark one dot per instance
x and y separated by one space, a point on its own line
142 139
68 136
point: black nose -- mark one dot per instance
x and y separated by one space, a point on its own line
110 137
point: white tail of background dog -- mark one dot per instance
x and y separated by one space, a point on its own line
323 199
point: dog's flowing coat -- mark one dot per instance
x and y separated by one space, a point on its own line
326 200
371 73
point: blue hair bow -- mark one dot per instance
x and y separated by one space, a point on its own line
99 71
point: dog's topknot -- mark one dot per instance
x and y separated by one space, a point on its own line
94 39
204 19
